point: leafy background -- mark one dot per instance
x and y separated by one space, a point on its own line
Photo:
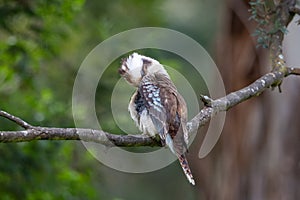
42 44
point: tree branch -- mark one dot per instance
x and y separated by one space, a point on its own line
87 135
15 119
98 136
294 71
234 98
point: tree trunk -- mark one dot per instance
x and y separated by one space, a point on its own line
258 154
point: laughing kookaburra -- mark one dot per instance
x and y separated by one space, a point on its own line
156 106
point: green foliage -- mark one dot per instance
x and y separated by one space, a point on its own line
31 34
42 44
264 13
41 170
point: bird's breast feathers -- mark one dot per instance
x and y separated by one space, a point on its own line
139 114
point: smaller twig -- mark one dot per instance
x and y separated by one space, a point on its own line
294 71
15 119
206 100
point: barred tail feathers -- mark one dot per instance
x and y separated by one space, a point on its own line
186 169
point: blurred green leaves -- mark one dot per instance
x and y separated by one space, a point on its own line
42 44
31 35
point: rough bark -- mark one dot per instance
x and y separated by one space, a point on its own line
258 155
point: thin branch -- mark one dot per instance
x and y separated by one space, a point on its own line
15 119
283 16
294 70
98 136
234 98
88 135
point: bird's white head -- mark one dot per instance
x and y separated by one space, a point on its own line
136 66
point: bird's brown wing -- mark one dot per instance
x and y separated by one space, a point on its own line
164 108
168 113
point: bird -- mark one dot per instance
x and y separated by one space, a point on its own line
156 107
